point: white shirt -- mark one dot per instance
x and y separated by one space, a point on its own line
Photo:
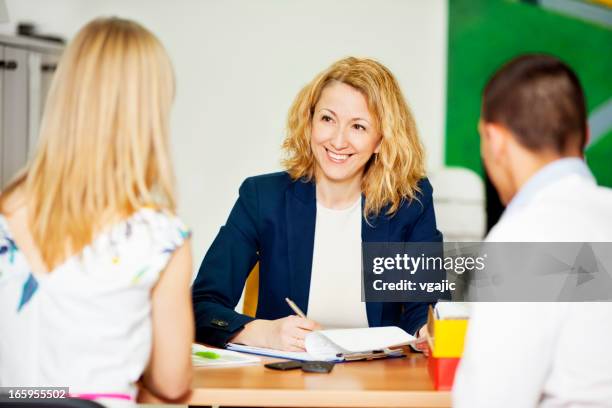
543 354
335 282
85 325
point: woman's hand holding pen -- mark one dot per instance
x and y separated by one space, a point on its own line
285 334
290 332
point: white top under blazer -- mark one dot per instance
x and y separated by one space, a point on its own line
334 300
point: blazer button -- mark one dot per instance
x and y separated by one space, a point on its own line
220 323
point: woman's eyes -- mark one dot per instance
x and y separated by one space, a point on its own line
356 126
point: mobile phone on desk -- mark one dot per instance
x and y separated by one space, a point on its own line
284 365
317 366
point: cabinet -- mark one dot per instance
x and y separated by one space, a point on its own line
26 70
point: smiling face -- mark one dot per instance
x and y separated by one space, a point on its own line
344 133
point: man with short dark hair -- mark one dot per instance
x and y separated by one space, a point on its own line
533 131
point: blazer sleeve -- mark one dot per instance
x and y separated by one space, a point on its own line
224 270
424 229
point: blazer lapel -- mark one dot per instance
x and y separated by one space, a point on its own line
301 211
376 231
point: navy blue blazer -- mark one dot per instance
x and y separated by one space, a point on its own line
273 222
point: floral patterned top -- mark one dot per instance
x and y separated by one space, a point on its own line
86 324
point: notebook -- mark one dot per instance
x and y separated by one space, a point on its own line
341 345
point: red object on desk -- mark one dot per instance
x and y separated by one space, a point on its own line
442 371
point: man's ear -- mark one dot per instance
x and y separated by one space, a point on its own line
497 139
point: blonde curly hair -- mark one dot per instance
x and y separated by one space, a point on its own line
390 176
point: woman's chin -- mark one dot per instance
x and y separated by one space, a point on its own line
338 176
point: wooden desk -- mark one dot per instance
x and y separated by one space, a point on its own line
399 382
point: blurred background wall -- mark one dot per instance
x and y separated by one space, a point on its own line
240 63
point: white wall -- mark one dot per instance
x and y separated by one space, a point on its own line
239 64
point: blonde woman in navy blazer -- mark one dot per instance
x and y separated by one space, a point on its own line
350 135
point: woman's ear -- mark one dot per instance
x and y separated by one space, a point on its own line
377 149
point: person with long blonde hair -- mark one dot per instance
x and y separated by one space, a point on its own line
354 172
95 266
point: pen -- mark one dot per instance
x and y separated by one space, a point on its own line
295 308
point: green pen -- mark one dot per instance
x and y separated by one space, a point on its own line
207 354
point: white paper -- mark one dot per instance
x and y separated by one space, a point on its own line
362 340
